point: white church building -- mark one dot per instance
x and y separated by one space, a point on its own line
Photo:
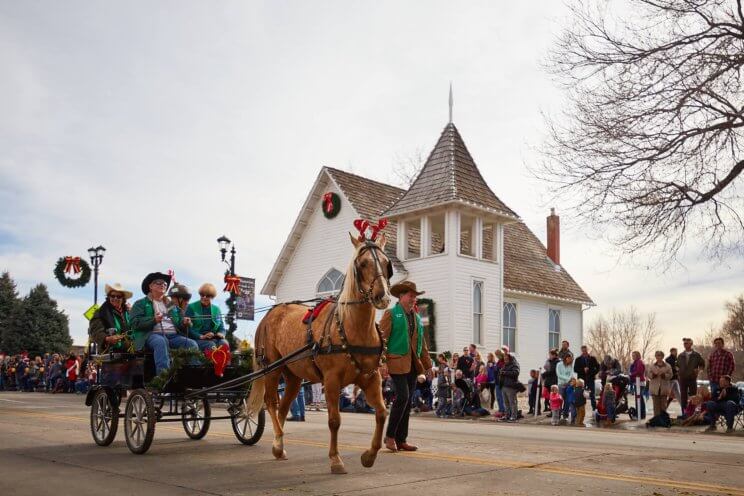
488 279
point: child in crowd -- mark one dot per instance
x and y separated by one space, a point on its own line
458 401
533 399
570 388
694 414
609 403
556 403
579 403
444 389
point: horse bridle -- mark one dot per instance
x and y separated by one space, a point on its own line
372 247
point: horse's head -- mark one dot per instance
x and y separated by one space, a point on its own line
372 270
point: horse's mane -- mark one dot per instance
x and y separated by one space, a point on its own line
350 291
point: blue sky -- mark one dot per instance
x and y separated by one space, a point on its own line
153 128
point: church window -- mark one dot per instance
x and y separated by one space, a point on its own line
331 282
488 239
509 334
413 239
554 328
467 235
436 234
478 312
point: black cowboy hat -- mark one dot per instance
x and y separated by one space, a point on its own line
152 277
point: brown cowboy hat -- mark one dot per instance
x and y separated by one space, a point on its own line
119 289
404 287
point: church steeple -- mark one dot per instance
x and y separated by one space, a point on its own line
449 176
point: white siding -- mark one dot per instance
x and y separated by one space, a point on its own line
433 276
532 329
325 243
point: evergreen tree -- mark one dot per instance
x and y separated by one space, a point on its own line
9 302
37 325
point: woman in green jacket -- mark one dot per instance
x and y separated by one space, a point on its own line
207 328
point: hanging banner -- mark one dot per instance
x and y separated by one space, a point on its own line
245 301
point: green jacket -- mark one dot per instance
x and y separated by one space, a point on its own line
200 325
399 342
142 320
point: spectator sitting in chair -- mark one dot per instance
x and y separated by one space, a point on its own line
422 397
726 403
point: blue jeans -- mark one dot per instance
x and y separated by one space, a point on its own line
714 389
500 398
159 345
205 344
297 408
729 409
566 400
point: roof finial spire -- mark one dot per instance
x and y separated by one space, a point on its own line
450 103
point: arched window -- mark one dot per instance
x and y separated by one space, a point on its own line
478 312
331 282
510 326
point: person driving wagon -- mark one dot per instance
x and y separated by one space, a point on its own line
207 328
110 323
155 326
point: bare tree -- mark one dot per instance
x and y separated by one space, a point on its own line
733 327
622 333
406 169
650 145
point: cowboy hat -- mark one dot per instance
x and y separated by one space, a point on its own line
119 289
179 291
404 287
152 277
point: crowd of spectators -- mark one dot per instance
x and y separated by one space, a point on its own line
50 373
573 389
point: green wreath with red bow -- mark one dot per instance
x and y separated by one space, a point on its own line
74 266
331 205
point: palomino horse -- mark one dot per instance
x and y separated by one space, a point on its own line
349 356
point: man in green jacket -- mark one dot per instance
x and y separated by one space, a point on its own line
156 327
407 356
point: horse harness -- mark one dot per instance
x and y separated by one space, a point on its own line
324 346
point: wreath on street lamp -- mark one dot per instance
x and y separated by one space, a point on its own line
74 266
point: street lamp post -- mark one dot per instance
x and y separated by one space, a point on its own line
224 242
96 258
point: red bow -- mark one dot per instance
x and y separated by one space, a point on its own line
220 356
72 265
232 284
362 226
328 202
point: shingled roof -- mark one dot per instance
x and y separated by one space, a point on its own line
370 198
527 268
449 175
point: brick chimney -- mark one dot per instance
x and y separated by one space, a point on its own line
554 237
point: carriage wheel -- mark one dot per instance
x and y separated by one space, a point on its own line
248 427
139 421
196 417
104 418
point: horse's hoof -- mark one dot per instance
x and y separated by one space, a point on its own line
338 468
279 453
368 458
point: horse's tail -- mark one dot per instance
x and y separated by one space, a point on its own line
258 387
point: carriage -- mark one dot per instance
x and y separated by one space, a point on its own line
122 390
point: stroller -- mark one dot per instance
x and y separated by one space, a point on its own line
620 385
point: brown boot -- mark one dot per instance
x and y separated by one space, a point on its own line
407 447
391 444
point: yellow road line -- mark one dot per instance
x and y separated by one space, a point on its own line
694 486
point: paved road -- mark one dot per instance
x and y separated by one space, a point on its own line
46 448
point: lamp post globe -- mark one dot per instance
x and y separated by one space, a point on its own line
96 258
